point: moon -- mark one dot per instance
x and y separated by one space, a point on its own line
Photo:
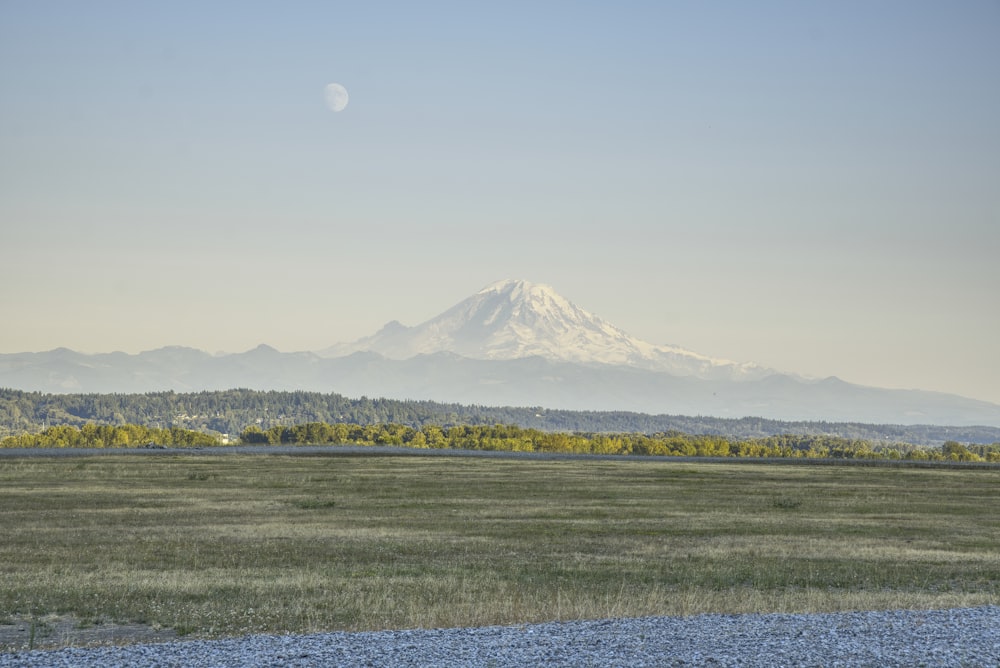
336 97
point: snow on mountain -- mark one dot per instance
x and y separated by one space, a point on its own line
513 343
514 319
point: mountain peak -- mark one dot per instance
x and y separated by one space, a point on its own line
514 318
517 288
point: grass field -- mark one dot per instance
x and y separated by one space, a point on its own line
225 545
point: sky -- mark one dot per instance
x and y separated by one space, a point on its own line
812 186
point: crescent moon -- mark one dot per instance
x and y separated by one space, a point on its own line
336 97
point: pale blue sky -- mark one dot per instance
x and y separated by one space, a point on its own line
811 186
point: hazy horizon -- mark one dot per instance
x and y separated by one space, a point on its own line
811 187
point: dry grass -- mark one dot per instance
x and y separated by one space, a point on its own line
223 545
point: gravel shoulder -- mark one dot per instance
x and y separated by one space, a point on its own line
958 637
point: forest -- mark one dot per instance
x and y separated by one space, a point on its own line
518 439
504 438
230 412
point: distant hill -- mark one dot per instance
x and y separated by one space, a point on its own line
231 411
513 343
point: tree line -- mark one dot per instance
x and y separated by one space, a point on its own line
506 438
232 411
520 439
93 435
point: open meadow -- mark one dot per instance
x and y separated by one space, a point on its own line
216 545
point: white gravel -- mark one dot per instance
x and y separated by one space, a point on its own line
960 637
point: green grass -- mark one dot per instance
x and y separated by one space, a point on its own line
223 545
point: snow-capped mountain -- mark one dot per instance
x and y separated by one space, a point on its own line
512 343
514 319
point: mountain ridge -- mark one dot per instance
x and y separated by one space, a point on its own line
513 343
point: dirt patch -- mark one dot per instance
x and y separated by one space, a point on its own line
53 632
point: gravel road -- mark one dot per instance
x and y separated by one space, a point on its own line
967 637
